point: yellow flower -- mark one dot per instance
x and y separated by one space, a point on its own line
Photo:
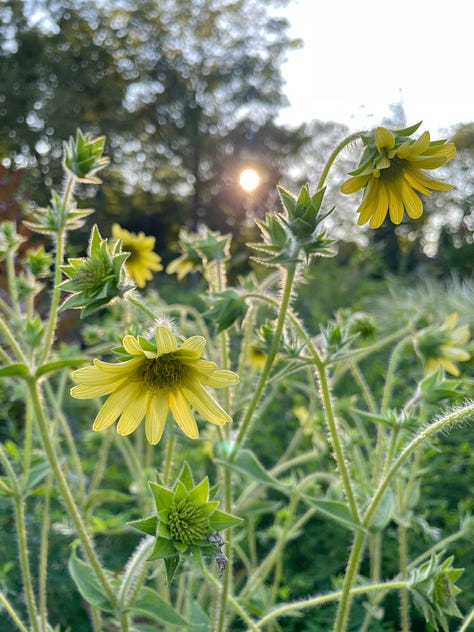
155 378
142 259
393 174
442 348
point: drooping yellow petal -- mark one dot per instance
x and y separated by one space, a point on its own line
155 420
131 345
380 208
133 414
115 405
384 139
206 405
182 413
219 379
165 341
354 184
395 204
90 391
412 202
193 347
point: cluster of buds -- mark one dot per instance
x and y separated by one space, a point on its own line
198 250
187 521
96 280
294 233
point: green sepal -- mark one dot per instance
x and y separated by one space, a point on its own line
186 476
222 520
163 497
147 525
200 493
163 548
171 566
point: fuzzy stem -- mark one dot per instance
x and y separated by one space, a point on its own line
286 609
43 565
65 491
334 154
9 608
230 598
290 274
60 245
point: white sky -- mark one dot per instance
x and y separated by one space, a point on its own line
360 56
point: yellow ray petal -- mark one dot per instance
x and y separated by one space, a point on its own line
155 420
193 346
115 405
165 341
219 378
132 346
412 202
133 414
182 413
89 391
206 405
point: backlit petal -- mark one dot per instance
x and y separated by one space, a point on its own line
155 420
133 414
193 346
132 346
182 413
206 405
165 341
219 378
115 405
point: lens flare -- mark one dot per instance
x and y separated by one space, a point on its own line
249 179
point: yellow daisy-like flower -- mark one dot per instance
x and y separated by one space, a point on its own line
142 259
393 174
158 377
442 348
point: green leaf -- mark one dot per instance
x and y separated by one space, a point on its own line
162 496
14 369
186 476
247 463
150 604
200 493
88 584
335 510
60 364
36 474
383 513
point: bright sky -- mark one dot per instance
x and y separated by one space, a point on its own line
360 56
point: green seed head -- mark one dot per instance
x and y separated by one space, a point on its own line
188 522
164 372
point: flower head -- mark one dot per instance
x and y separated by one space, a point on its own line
392 173
187 519
155 377
434 591
142 259
442 347
98 279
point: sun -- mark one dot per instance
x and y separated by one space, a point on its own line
249 180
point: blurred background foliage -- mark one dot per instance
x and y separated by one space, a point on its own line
187 93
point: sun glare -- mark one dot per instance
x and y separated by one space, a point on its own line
249 179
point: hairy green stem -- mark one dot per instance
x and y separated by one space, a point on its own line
60 245
290 274
334 154
65 491
230 599
286 609
11 611
43 565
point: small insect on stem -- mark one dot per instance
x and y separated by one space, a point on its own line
220 559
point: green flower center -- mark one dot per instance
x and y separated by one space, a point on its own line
188 522
164 372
